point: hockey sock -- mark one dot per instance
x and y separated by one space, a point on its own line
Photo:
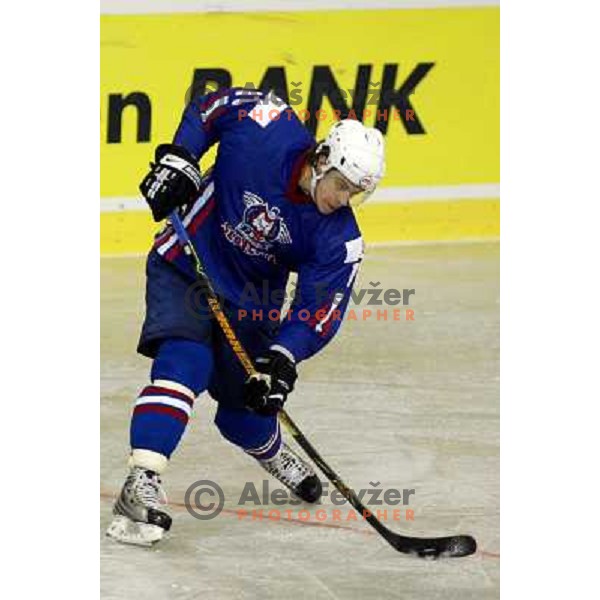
180 372
259 436
269 449
160 415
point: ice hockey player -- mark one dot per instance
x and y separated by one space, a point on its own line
275 202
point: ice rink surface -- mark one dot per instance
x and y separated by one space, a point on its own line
407 404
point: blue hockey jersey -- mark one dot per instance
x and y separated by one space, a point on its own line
252 225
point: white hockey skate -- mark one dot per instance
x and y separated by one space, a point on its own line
139 516
294 473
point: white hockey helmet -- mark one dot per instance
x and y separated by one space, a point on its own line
357 152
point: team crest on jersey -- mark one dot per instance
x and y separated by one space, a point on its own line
260 229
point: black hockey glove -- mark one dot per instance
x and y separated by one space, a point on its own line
267 393
174 180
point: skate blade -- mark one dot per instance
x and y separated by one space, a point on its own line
126 531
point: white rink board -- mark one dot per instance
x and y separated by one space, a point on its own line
174 6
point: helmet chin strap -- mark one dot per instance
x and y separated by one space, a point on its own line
314 179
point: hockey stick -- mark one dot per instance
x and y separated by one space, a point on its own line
452 546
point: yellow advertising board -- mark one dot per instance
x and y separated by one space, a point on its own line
429 76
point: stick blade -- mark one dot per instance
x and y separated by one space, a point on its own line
443 547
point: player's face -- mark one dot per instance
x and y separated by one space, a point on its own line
333 192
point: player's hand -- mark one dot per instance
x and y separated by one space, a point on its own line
266 393
174 180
